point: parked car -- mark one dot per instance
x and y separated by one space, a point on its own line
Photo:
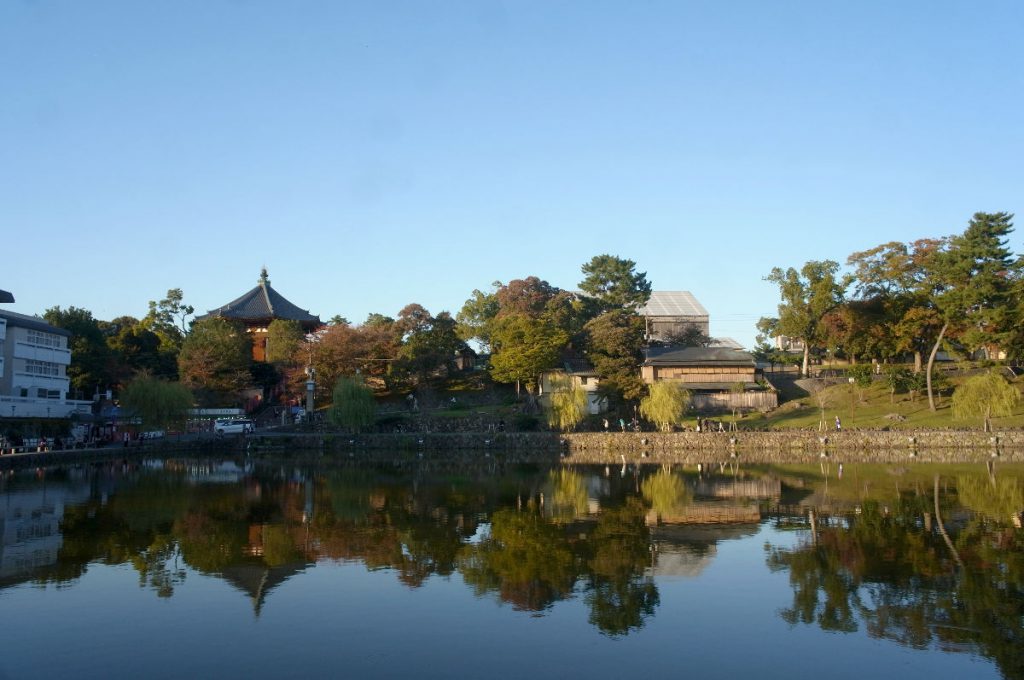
233 426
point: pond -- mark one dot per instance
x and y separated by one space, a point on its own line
233 567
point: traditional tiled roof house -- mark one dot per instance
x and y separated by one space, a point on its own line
257 308
719 377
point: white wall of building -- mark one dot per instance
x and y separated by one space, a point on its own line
34 364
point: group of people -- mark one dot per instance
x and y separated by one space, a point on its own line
634 424
703 425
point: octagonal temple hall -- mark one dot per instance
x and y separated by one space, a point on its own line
257 308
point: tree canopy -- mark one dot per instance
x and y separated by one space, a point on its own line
158 403
567 405
666 404
615 282
215 360
353 406
807 296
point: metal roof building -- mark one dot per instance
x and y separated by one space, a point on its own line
669 312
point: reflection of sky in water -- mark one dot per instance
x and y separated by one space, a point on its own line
718 617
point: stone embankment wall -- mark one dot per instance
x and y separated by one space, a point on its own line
681 447
797 446
586 447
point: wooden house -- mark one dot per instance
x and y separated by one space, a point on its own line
714 375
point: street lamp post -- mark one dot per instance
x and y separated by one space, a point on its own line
310 391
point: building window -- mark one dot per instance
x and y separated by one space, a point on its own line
47 368
43 339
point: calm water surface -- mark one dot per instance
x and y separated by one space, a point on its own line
240 568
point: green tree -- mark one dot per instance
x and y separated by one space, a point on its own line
429 343
285 340
158 403
666 404
620 598
169 313
807 296
525 559
91 359
894 281
984 396
972 282
1014 342
530 297
615 282
567 403
215 359
475 317
136 349
614 345
523 348
354 406
897 378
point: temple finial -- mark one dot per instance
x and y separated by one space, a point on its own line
264 281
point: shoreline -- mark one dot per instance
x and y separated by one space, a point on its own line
601 448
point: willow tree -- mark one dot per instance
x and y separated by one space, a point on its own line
667 493
354 406
159 404
666 404
567 404
985 396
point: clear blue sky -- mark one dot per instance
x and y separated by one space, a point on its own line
377 153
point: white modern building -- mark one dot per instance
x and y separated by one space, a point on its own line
34 360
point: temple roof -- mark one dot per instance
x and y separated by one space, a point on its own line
5 296
262 303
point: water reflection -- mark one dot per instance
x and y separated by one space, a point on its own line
926 556
924 565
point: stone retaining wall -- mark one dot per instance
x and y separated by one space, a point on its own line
589 447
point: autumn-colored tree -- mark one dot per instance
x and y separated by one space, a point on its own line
214 360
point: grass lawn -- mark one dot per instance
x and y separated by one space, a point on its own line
868 408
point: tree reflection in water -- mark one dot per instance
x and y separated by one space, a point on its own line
532 537
890 569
